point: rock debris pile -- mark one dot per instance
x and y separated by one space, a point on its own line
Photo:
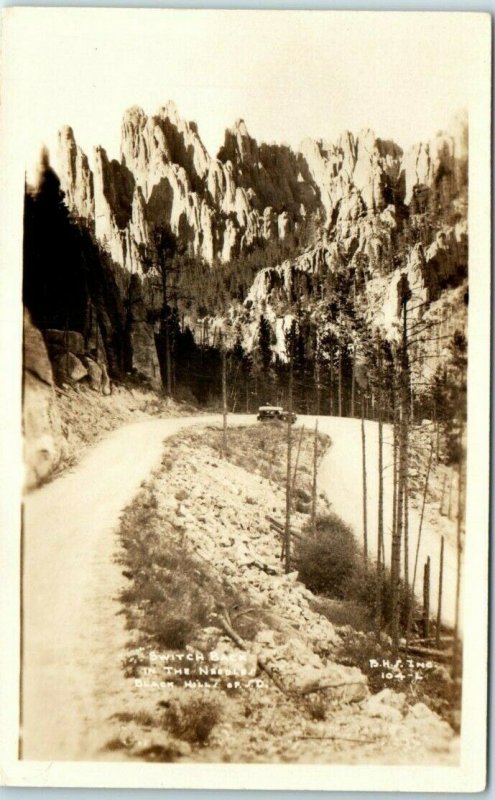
310 708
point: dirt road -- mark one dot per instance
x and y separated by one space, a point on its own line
341 479
73 637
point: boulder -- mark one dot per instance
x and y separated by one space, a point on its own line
60 341
106 386
69 367
36 358
95 373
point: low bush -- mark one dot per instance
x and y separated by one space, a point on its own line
331 564
368 589
263 450
193 719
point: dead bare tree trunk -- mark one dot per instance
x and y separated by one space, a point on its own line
296 465
168 360
456 648
449 513
317 377
340 381
395 461
380 559
404 395
365 494
224 397
395 570
353 381
426 599
331 388
288 487
440 592
418 543
443 493
315 480
406 531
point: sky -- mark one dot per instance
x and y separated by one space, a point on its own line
289 75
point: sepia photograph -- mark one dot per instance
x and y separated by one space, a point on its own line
253 305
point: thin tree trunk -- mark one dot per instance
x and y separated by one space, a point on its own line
380 560
426 599
315 480
353 381
365 494
288 488
440 592
455 657
403 445
168 360
224 399
166 324
296 465
317 373
340 381
406 530
444 483
331 388
449 513
418 543
395 470
395 566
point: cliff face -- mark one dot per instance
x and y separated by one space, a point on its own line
251 193
217 207
359 206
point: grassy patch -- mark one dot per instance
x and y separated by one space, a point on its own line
262 449
172 594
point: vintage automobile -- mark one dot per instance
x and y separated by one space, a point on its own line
275 413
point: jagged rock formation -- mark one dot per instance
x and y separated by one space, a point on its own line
250 193
165 177
365 208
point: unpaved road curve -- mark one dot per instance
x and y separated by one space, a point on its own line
340 477
73 636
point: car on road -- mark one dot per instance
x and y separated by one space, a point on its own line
275 413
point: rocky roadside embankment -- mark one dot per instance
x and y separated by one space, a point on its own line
307 707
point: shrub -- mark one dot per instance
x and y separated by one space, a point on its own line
193 719
172 631
363 589
331 564
159 752
327 560
316 707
